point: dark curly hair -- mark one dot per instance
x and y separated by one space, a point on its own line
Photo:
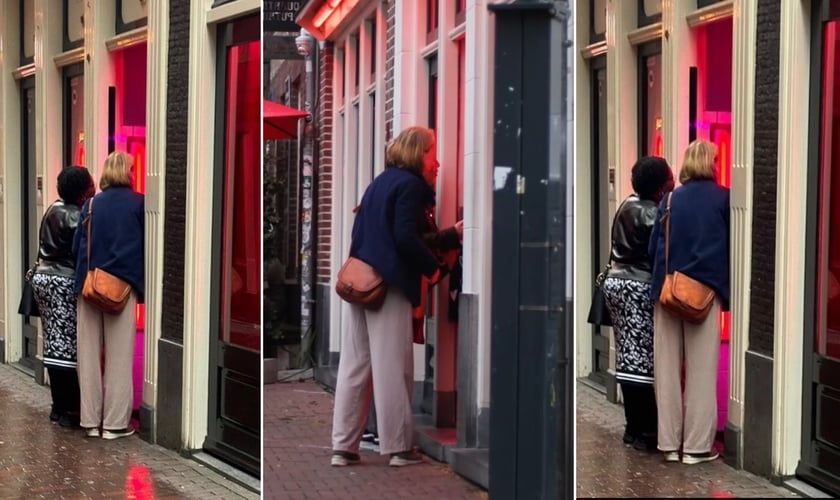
649 175
73 183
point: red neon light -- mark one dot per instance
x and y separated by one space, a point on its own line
724 145
658 147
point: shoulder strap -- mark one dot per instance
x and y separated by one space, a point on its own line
667 229
89 223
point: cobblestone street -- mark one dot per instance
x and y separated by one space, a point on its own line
39 459
605 468
296 456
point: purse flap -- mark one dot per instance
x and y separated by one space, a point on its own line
691 292
358 275
110 286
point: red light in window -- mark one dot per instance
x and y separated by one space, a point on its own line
658 147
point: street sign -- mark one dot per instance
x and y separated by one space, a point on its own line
279 15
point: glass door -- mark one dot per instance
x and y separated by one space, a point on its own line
234 412
29 219
820 461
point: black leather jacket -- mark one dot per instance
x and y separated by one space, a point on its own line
630 237
55 252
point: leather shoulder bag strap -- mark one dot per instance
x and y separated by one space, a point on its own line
89 223
667 230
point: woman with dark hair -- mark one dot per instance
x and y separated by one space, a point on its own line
53 285
627 290
117 221
376 346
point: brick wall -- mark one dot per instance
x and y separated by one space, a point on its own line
390 16
323 241
764 177
172 312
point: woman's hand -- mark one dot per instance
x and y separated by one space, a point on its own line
459 226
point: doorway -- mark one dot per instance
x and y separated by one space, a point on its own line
820 459
235 361
601 217
29 219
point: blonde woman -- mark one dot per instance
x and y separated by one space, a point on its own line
699 248
376 346
116 246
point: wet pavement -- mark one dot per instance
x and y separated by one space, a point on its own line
607 469
296 456
39 459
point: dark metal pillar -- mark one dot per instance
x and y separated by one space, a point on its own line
531 441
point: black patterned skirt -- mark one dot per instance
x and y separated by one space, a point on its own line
631 311
57 304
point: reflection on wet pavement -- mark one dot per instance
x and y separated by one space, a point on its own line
605 468
39 459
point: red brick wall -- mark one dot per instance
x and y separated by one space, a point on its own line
325 165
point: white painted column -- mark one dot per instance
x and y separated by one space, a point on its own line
156 106
199 221
794 43
741 200
100 74
49 94
583 271
477 276
622 97
679 53
10 181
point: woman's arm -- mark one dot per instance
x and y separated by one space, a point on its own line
408 212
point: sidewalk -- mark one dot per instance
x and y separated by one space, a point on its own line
296 456
39 459
605 468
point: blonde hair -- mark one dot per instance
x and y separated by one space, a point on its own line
407 149
699 162
117 170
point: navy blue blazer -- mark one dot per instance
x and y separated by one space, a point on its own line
388 230
118 238
699 238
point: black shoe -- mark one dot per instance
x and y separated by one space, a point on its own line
54 415
67 420
628 439
645 443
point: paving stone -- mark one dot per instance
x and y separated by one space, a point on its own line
296 454
39 459
608 469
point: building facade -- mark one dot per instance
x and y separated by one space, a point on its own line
756 77
176 85
385 65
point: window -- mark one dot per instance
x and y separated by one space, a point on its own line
433 91
74 115
354 42
650 12
74 27
372 48
650 100
432 20
460 11
827 340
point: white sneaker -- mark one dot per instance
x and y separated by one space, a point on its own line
405 458
344 458
116 434
92 432
672 456
699 458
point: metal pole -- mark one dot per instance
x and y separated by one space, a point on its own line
531 450
306 47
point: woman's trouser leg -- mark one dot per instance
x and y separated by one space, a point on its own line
630 399
702 353
392 364
667 362
119 332
89 354
353 385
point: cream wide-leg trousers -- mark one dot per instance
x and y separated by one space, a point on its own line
376 356
675 340
106 400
